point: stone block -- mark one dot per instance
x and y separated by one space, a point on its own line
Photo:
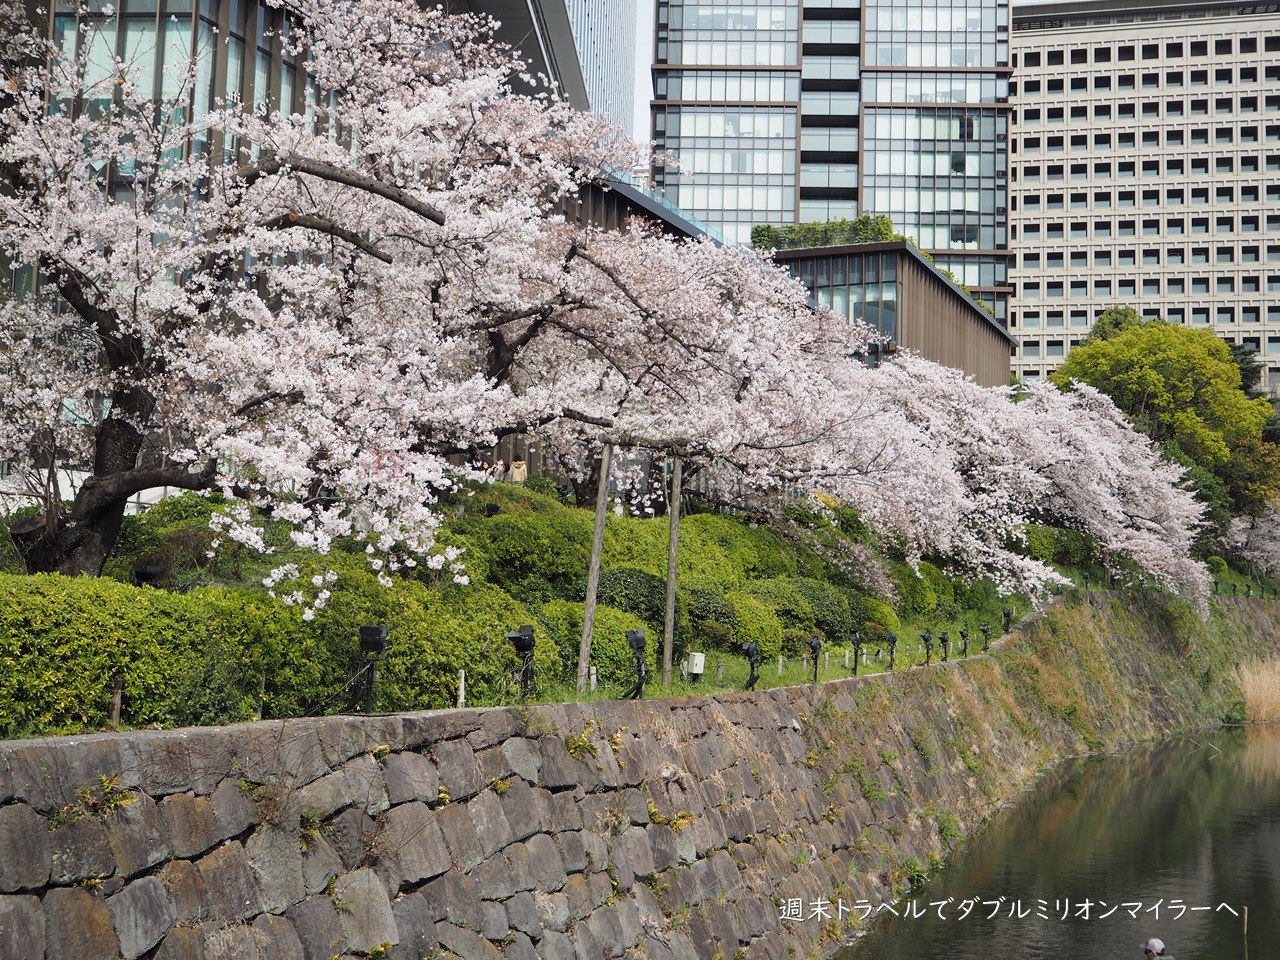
522 914
496 877
520 809
524 759
578 894
455 898
230 942
466 944
545 862
559 768
366 914
352 834
185 888
141 915
277 940
6 778
518 861
26 841
493 765
607 929
276 858
410 776
193 824
553 911
316 923
519 947
21 928
231 889
601 888
554 945
412 843
48 774
358 783
456 764
211 756
139 836
182 943
493 921
597 851
233 808
585 944
490 823
460 835
319 862
621 860
490 727
79 850
564 813
572 851
416 928
639 853
77 926
662 848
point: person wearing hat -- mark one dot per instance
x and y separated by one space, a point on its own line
1155 948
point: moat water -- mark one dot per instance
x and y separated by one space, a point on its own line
1171 841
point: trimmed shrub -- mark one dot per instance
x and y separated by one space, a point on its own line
754 621
830 608
1217 566
535 556
610 652
915 596
710 635
878 618
1040 542
788 604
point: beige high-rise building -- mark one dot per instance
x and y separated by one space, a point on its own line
1145 170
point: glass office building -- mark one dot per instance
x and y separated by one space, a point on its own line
783 111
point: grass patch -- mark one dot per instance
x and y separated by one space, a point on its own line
1259 682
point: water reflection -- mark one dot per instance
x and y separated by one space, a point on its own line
1146 838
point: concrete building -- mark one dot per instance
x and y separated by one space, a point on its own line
785 111
1145 171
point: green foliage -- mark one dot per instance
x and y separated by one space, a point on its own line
789 605
1113 322
1217 566
867 228
1040 542
644 595
878 618
1184 389
830 608
755 622
916 596
534 556
610 653
543 485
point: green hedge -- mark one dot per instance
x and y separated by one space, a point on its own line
755 622
610 652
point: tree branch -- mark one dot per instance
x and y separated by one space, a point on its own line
321 225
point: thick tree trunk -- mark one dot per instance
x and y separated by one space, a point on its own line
673 544
593 574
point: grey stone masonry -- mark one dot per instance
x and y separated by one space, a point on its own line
665 829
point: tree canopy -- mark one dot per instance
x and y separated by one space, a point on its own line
1183 388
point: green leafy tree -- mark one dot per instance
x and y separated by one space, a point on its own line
867 228
1112 322
1184 389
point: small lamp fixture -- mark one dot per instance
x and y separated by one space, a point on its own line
855 638
522 639
927 637
752 651
815 644
637 641
891 638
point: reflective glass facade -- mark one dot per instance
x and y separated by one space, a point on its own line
936 132
896 107
856 285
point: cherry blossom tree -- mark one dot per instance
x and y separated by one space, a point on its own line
311 312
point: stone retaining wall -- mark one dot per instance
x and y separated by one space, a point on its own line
663 829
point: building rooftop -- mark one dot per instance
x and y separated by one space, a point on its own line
1042 16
